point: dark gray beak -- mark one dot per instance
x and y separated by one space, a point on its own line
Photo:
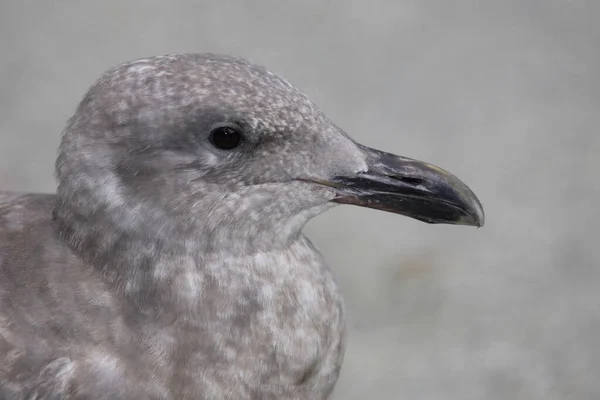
409 187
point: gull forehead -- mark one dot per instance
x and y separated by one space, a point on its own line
266 99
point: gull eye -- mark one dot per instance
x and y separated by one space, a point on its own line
225 137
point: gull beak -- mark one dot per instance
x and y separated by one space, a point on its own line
409 187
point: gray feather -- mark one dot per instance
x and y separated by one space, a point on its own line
165 268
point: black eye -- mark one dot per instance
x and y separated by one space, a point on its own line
225 137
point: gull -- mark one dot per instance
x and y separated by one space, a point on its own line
170 263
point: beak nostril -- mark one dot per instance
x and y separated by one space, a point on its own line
408 179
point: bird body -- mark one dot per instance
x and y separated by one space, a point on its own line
272 321
171 263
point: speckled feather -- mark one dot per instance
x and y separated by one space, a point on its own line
165 268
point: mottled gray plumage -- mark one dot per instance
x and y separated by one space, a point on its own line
166 268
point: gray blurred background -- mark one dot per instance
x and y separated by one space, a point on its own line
505 94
